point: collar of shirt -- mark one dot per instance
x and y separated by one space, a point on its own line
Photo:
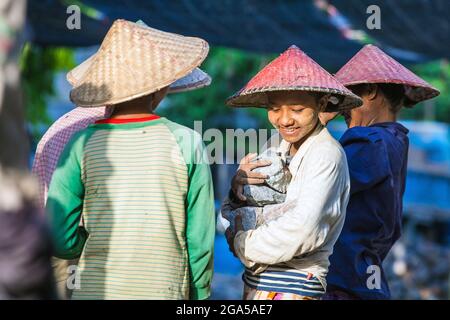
298 157
393 127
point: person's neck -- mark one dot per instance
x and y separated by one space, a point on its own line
130 113
377 118
377 112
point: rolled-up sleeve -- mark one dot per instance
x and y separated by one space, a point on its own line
306 219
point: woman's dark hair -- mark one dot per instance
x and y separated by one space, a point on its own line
316 94
394 93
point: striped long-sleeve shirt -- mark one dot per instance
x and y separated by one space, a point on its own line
144 191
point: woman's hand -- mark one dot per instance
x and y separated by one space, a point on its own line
244 175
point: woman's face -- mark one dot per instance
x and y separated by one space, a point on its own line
373 106
294 114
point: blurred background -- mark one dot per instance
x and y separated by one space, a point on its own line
244 36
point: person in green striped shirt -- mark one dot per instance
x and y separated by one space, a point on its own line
139 184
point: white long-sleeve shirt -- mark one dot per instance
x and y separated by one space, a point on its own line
309 222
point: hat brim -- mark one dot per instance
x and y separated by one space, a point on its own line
414 92
195 80
142 61
258 97
371 65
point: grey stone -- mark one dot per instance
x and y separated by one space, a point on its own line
262 195
251 217
274 190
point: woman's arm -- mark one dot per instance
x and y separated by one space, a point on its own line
65 201
305 221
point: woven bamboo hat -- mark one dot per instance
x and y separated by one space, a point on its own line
134 61
372 65
195 80
293 70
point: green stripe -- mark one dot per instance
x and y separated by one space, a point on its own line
126 147
120 277
92 216
181 169
107 286
120 219
109 295
135 166
86 296
92 201
136 221
129 277
119 208
144 154
153 167
116 232
144 226
146 162
138 266
142 199
125 135
128 206
134 246
145 255
100 235
105 140
129 246
160 183
164 195
134 207
130 174
132 214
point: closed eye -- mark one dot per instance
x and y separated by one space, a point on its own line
275 109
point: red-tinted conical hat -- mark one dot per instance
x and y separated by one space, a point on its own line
372 65
293 70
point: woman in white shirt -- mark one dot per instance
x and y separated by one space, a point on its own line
287 257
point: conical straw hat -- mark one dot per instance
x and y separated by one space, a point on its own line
134 61
293 70
372 65
195 80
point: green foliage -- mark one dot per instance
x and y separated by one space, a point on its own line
229 69
38 66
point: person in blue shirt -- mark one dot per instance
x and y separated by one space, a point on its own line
376 147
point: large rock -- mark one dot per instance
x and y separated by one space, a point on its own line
251 216
274 190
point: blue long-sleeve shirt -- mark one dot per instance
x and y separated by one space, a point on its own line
377 160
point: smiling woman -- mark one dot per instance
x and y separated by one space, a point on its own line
295 114
287 257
